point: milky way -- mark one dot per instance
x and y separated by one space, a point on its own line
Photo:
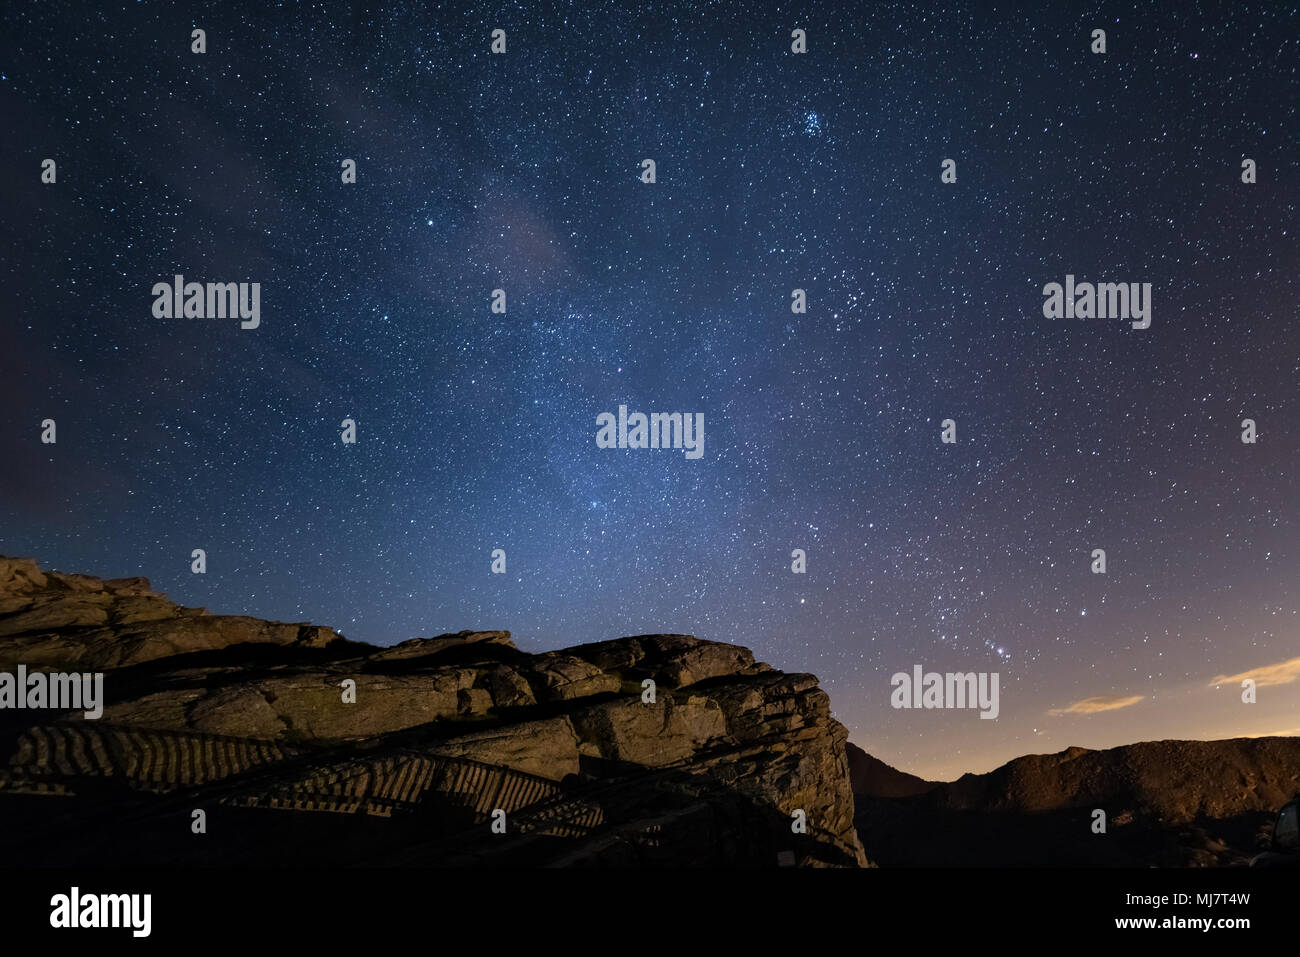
775 171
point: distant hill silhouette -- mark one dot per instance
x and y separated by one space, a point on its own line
1167 803
871 777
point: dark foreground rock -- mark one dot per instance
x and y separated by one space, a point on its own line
299 746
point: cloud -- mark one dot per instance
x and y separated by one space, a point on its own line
1098 704
1282 673
1284 733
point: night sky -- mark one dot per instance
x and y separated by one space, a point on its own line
775 171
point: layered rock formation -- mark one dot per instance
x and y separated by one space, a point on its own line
411 748
52 621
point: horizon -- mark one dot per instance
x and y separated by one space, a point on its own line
947 773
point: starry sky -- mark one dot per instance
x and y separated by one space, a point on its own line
775 171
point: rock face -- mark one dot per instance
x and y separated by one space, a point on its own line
76 622
1167 803
412 748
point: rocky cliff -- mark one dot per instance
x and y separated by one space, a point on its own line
459 749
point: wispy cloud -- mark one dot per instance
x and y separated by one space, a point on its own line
1285 733
1282 673
1098 704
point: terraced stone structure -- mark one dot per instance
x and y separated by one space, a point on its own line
247 720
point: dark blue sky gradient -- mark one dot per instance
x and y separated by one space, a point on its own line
775 172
